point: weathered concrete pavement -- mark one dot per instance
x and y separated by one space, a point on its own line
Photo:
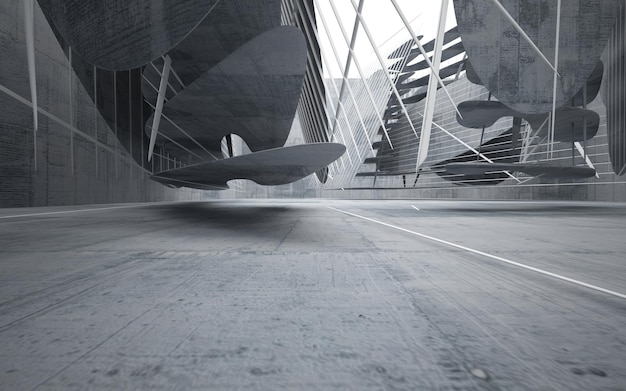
295 295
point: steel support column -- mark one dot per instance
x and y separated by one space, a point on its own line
431 93
159 105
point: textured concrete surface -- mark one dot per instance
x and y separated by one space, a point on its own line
512 70
75 157
252 93
295 295
225 29
128 35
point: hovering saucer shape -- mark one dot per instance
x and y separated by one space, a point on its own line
532 169
271 167
512 70
484 113
121 35
569 125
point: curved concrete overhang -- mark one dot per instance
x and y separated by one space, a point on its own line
252 93
509 67
230 25
572 123
271 167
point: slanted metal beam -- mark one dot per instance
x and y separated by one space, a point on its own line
525 153
355 30
385 70
431 93
352 56
326 63
345 81
159 106
556 63
185 134
473 150
583 153
425 55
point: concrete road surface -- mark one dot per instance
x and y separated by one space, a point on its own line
314 295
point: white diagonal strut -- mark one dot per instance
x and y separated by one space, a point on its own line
346 83
423 52
353 57
583 153
159 106
385 70
556 63
431 93
471 148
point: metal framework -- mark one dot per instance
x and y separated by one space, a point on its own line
410 116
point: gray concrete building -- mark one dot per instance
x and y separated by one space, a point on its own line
312 195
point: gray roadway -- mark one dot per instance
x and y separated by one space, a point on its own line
296 295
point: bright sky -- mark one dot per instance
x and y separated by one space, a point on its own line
384 24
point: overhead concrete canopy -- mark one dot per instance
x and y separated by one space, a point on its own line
122 35
226 28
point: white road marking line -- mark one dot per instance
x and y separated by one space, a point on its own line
497 258
415 207
83 210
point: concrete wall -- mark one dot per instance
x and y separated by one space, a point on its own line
606 192
74 157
